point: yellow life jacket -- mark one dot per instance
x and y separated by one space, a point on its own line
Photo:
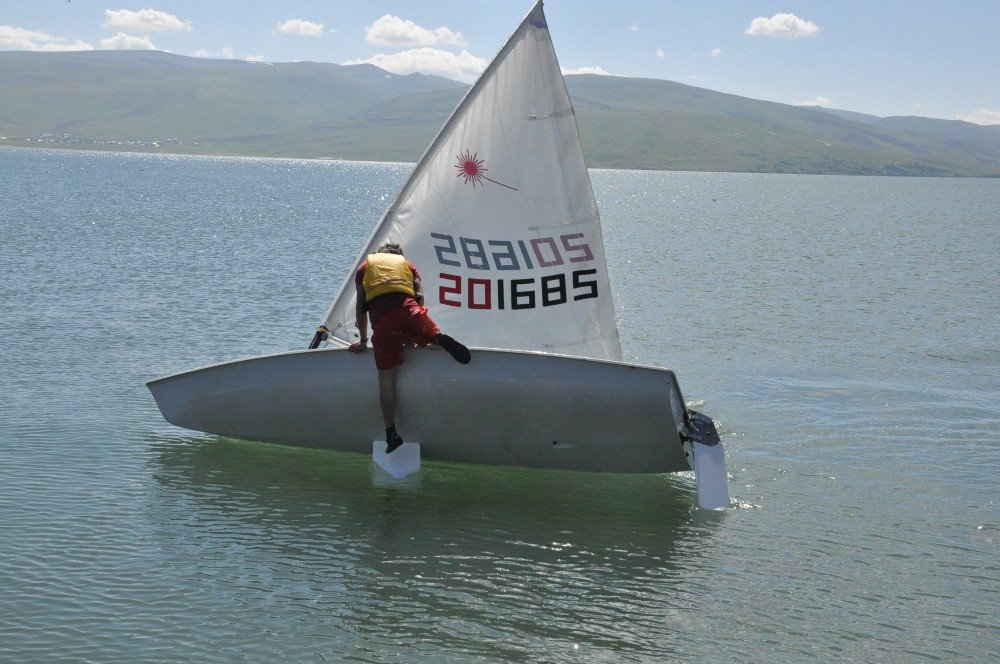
387 273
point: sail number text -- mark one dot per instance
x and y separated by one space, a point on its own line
546 253
539 252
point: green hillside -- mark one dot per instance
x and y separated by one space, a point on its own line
662 124
149 95
147 100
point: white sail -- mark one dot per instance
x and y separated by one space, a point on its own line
500 218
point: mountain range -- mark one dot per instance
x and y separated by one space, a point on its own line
156 101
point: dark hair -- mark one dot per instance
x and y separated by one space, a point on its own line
390 248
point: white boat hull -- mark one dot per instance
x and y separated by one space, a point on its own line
504 408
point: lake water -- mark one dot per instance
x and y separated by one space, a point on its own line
843 331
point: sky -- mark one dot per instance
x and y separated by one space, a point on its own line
881 57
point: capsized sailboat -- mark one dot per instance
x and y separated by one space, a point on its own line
501 219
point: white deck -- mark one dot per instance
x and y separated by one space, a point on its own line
504 408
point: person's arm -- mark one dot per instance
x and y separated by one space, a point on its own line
418 290
362 322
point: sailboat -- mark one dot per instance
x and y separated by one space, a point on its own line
500 217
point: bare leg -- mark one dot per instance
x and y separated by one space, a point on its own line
387 395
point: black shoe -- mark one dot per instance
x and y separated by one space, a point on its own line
393 439
454 348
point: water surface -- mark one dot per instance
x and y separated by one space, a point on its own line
842 330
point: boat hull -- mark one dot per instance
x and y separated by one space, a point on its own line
504 408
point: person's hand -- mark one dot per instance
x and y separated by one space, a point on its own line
358 346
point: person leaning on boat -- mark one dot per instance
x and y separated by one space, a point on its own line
389 292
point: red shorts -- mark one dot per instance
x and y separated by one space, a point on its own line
406 324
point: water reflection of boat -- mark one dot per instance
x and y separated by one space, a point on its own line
476 553
328 497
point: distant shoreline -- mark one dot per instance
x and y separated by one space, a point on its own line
41 145
136 150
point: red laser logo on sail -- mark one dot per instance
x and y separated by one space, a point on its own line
471 168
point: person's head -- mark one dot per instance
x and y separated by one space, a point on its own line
390 248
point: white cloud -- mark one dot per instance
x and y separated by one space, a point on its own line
255 58
226 53
633 28
587 70
981 116
660 53
716 53
297 26
20 39
394 31
144 20
784 26
817 101
124 42
463 67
